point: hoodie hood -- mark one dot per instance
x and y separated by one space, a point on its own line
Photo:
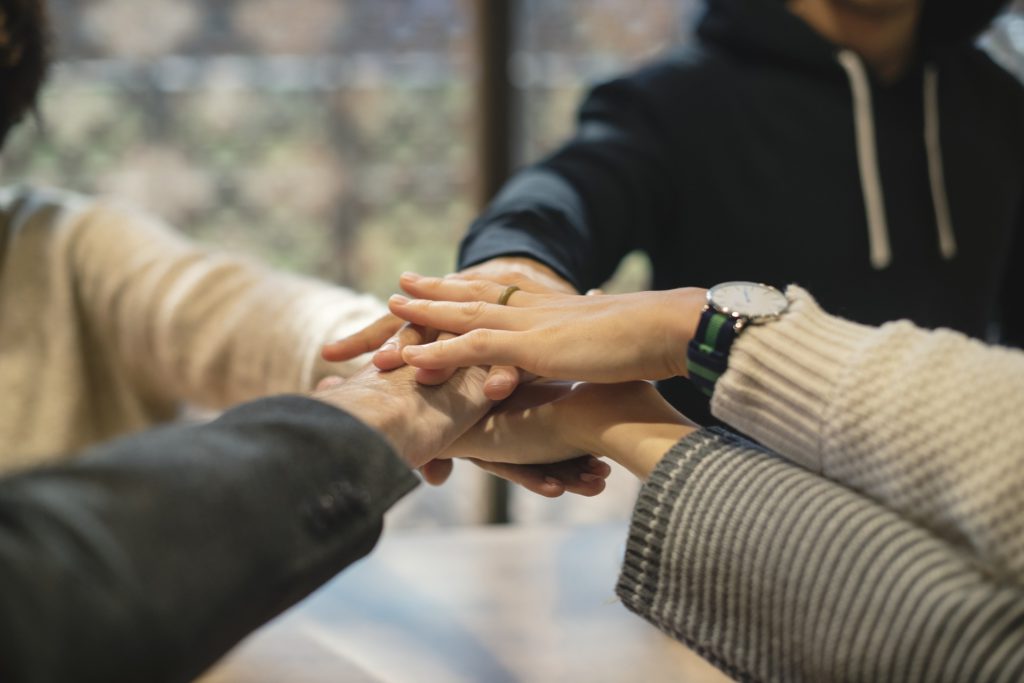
766 29
949 23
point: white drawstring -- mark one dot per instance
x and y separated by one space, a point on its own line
936 176
867 159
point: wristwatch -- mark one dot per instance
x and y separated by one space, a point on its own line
731 306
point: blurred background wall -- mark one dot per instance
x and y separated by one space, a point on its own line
332 137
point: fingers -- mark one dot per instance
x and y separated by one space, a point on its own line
435 377
457 317
531 477
479 347
389 356
462 288
583 476
436 472
365 340
501 381
386 334
459 303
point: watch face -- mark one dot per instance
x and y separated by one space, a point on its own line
748 300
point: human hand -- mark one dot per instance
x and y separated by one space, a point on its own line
547 422
389 335
529 276
584 475
419 421
605 338
386 337
510 270
360 396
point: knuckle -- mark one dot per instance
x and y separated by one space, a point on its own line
473 310
479 289
519 279
478 341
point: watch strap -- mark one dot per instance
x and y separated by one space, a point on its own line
707 354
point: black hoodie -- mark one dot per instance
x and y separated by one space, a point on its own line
764 152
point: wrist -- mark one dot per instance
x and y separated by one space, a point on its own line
629 423
640 447
680 317
383 413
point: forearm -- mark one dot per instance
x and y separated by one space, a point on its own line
584 208
926 422
532 218
210 329
630 424
776 574
640 446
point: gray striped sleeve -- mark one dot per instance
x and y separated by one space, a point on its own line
774 573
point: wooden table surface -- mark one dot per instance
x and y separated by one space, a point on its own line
487 604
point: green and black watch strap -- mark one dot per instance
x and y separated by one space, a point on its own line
707 355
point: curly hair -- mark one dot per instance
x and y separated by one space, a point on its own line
24 56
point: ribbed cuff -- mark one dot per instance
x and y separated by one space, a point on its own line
651 526
653 580
782 377
652 513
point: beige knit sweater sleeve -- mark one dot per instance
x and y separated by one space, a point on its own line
929 423
213 329
109 321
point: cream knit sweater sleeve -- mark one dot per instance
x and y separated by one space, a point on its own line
109 321
928 423
209 328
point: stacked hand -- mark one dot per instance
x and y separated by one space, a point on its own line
390 335
422 422
549 334
629 423
537 329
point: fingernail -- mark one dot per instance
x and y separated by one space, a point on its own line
499 384
552 481
398 299
411 351
409 275
590 478
390 345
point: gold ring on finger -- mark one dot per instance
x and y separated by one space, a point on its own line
507 294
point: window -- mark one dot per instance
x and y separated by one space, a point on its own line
332 137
